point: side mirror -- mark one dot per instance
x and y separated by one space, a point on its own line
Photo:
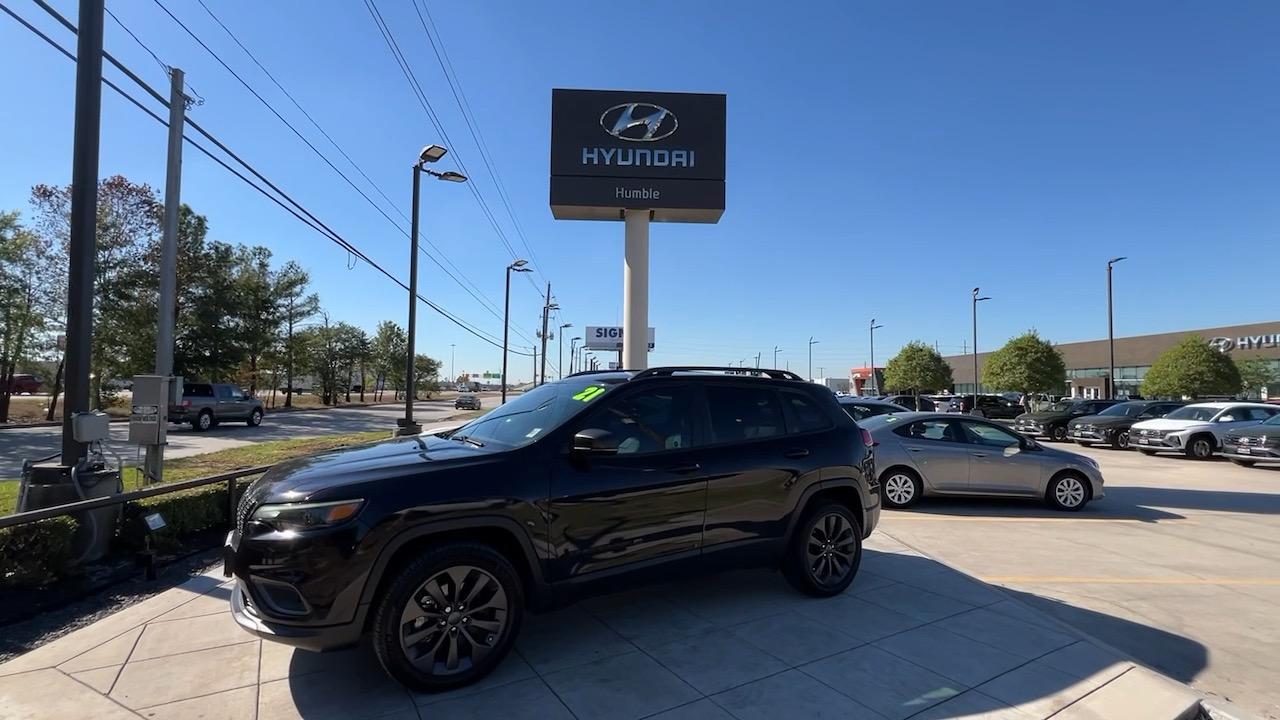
594 441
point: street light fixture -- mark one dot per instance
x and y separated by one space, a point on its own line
976 300
517 266
1111 335
429 154
875 379
776 350
812 342
560 339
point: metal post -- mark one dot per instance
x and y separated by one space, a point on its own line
635 291
84 216
546 313
775 356
153 465
535 366
975 348
1111 336
811 342
453 355
506 333
407 425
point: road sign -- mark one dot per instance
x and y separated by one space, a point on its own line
607 338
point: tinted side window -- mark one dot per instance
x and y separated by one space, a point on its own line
224 392
982 434
1258 414
938 430
739 414
806 415
651 420
197 390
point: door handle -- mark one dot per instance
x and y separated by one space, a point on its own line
796 453
684 469
912 448
978 454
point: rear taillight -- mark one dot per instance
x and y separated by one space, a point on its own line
186 404
866 437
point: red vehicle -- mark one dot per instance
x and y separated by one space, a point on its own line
29 384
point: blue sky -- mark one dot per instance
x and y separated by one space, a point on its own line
883 159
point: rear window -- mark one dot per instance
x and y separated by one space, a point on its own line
197 390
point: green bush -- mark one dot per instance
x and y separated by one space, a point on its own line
33 553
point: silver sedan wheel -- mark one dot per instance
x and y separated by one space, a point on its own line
900 488
1070 492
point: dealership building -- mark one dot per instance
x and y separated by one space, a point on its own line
1087 362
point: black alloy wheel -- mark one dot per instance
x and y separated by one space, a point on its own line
449 618
826 552
1058 433
1120 441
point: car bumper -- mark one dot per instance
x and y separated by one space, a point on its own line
1255 453
315 639
1088 436
1031 431
1166 443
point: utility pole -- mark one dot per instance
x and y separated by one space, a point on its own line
757 359
453 355
153 465
875 377
812 342
976 380
776 350
535 365
546 312
83 247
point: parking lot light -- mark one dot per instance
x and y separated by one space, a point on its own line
976 300
1111 336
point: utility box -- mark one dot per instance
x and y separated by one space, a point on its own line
91 427
49 484
149 415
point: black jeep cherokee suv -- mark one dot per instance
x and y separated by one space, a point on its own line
436 545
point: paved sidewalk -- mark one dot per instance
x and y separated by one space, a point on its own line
911 639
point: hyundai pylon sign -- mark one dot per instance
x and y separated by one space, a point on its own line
612 150
607 338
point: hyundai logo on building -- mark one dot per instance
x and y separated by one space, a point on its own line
1245 342
639 122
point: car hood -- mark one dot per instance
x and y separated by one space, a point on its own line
1259 430
1103 420
1167 424
300 479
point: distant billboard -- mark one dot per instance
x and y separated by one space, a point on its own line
607 338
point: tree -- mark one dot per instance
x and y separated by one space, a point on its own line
1257 374
24 306
388 353
1190 369
917 367
426 376
298 307
1028 364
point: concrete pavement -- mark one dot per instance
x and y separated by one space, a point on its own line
19 443
911 639
1179 566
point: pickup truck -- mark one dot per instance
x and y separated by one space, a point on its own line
205 405
24 384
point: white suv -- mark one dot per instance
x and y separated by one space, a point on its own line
1197 430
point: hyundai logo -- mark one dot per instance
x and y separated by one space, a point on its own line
1222 344
639 122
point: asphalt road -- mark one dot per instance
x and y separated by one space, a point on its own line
20 443
1179 566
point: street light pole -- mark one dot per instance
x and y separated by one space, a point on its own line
560 339
812 342
775 357
1111 336
453 357
875 378
976 300
517 266
429 154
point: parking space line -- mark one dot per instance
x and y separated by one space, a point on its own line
977 518
1051 580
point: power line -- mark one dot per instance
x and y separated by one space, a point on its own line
310 219
196 99
456 274
389 38
460 97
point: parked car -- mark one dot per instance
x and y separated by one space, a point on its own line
467 401
1197 430
1111 426
206 405
1052 422
435 544
860 408
923 454
946 403
1255 444
29 384
992 406
909 402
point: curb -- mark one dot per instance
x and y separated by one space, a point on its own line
1204 704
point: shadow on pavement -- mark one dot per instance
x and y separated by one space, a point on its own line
747 642
1214 500
1117 505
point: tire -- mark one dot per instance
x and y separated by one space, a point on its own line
1200 447
203 421
255 418
825 552
1120 441
1058 433
418 588
900 488
1243 463
1068 491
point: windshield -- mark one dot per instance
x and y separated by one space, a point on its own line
1062 406
1273 420
531 415
1127 409
1194 412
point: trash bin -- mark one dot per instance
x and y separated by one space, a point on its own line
51 484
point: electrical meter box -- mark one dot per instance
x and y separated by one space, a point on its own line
90 427
149 415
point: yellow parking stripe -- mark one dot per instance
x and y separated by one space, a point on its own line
1052 580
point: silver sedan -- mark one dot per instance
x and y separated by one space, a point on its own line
922 454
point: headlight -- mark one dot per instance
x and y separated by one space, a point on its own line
307 516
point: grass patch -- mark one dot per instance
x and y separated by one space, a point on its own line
222 461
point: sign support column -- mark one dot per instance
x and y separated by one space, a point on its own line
635 292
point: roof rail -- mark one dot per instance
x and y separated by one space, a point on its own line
596 372
673 369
